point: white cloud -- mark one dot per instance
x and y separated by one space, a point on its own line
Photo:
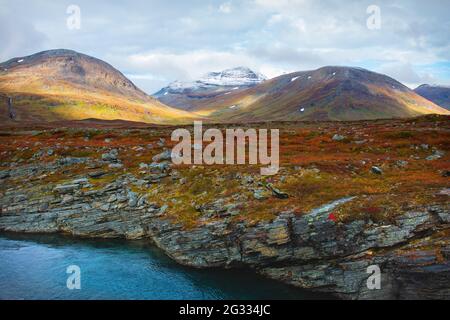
225 7
274 19
282 5
188 65
183 66
271 72
405 73
163 41
18 37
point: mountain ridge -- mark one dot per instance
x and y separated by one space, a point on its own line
439 94
327 93
63 84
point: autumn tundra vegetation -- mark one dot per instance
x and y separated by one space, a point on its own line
362 171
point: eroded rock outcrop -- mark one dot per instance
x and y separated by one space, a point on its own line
309 251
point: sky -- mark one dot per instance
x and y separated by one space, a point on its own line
157 42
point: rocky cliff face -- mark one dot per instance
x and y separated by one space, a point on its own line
347 196
310 251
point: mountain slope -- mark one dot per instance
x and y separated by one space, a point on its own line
440 95
67 85
328 93
188 95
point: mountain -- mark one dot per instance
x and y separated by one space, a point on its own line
67 85
328 93
440 95
59 85
186 95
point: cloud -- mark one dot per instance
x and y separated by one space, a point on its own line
282 5
18 37
167 67
283 55
161 41
225 7
405 73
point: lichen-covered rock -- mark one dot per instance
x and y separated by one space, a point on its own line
338 137
163 156
111 156
66 188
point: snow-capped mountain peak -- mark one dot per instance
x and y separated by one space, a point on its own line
240 77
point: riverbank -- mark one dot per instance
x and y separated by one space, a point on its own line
310 252
337 207
34 267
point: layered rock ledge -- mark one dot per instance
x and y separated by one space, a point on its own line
348 196
309 251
